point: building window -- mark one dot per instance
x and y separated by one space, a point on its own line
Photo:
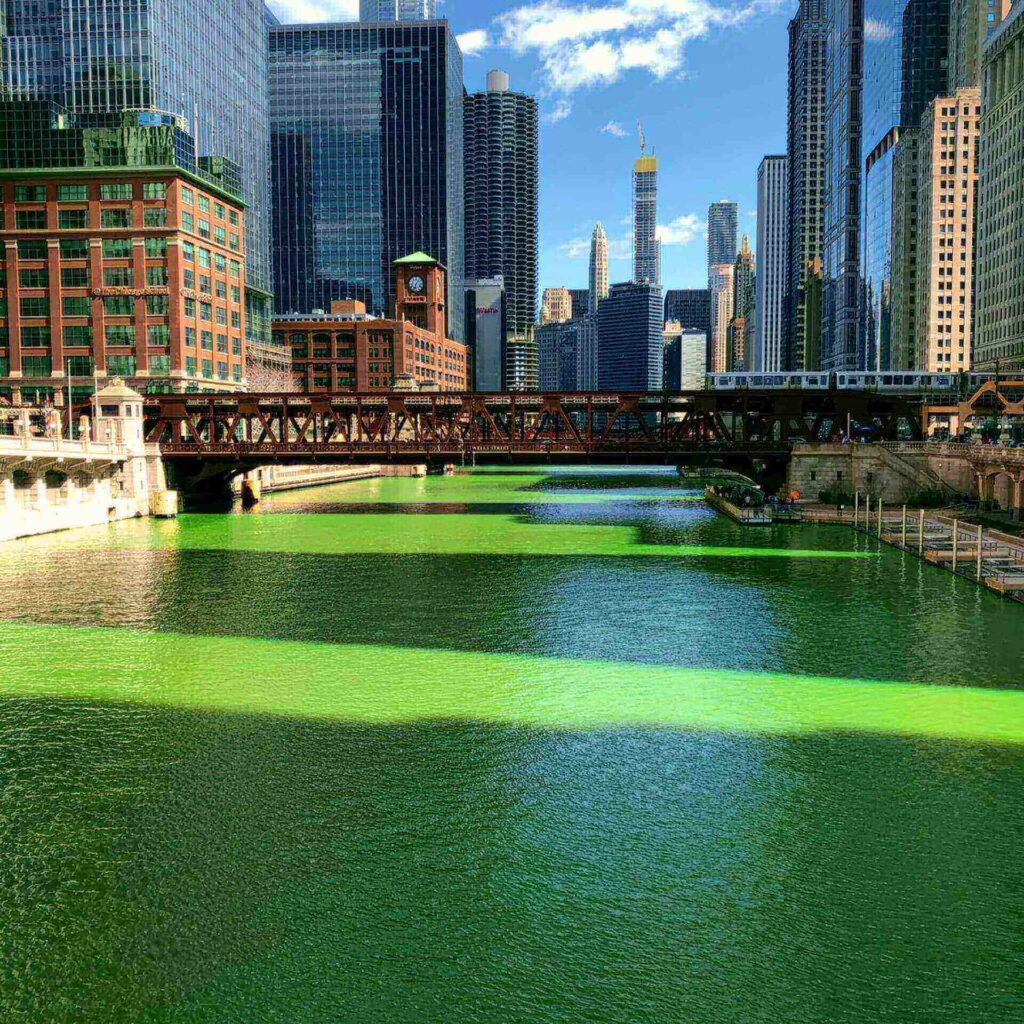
77 335
188 222
220 236
76 305
154 217
35 306
203 203
204 258
36 366
34 278
74 249
190 337
156 305
118 277
74 277
156 276
71 219
121 366
117 248
159 364
222 344
189 278
186 195
81 366
218 210
72 193
208 368
188 252
33 249
119 334
30 193
154 190
158 334
119 305
30 220
156 248
204 228
205 311
116 218
206 337
116 190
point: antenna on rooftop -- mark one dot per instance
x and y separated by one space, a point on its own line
643 140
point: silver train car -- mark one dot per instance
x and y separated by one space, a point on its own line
892 382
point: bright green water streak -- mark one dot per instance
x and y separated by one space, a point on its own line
411 534
486 490
388 685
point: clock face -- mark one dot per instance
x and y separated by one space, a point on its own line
416 284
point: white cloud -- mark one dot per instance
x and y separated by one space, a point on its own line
681 231
614 128
620 248
877 31
586 44
296 11
471 43
559 112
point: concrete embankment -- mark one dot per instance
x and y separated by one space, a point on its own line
289 478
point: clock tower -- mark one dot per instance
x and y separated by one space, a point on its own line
419 293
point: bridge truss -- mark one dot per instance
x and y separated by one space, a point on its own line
454 426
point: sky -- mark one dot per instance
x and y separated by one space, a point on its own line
707 82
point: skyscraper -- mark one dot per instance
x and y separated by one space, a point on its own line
772 239
630 345
397 10
598 267
367 136
840 245
690 308
646 247
206 63
722 233
971 22
501 185
558 356
999 302
486 332
744 308
556 305
580 302
720 285
805 149
905 47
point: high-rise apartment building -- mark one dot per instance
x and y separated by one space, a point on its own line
646 247
971 22
744 308
204 63
630 341
946 204
840 244
556 305
723 219
598 267
397 10
772 264
999 288
805 148
905 52
720 286
690 308
501 186
367 139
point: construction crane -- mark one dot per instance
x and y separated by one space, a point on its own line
643 140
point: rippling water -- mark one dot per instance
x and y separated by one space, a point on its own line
510 747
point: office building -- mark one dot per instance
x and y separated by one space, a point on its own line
971 22
772 264
598 268
588 350
558 356
840 244
397 10
905 52
203 63
486 332
721 291
580 299
123 256
805 148
630 341
744 307
999 288
556 305
646 247
349 349
501 187
905 172
723 218
690 308
367 139
686 354
671 360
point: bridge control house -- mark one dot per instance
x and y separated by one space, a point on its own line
348 349
121 255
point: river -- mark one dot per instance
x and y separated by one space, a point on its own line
514 747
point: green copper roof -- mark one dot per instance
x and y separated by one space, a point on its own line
416 257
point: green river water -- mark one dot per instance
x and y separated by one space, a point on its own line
531 747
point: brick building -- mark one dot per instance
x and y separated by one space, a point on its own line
348 349
135 270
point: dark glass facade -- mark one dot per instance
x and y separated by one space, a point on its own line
806 151
580 302
501 186
842 185
690 307
367 141
630 340
905 51
206 63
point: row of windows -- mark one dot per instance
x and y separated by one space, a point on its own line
80 193
78 219
207 369
188 197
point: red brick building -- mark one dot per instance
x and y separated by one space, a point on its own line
350 350
121 271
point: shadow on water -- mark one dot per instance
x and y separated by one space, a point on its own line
188 867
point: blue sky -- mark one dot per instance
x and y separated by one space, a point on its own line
708 81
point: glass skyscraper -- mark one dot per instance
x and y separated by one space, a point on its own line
905 47
206 63
367 141
646 247
397 10
630 343
723 239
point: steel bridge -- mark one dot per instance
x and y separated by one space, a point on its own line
250 429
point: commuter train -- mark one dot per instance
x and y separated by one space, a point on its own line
911 382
